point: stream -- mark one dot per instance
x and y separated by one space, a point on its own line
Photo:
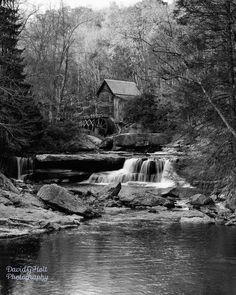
122 255
125 258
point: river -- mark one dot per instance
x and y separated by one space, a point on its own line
125 258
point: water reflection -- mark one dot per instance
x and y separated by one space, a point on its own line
139 257
16 253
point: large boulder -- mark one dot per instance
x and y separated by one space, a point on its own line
59 198
139 141
82 143
132 196
147 201
141 200
200 200
95 140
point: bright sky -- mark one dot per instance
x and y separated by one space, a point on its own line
97 4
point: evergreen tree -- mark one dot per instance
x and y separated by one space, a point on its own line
19 117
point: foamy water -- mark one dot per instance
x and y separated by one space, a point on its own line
151 172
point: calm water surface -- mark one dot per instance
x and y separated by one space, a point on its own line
126 258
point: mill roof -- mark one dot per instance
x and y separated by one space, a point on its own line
120 88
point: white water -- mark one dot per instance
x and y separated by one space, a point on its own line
137 171
24 167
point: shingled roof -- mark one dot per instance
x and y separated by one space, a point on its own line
120 88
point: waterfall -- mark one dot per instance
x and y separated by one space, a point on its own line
168 171
24 167
151 170
138 170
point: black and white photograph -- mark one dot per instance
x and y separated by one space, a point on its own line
117 147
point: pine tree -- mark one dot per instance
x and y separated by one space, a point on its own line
19 117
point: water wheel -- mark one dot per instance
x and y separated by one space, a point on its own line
99 124
102 126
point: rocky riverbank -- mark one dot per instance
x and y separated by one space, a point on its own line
183 204
27 210
22 213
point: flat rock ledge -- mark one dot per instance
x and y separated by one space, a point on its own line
19 222
76 157
125 216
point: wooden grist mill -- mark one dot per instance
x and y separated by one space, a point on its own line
111 98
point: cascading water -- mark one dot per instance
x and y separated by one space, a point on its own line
152 171
24 167
17 167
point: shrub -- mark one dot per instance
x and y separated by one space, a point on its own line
153 114
57 135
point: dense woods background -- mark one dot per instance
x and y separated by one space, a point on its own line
182 57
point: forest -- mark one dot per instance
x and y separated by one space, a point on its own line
182 57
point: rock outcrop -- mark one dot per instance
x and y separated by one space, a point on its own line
129 141
83 162
22 213
23 200
200 200
6 184
15 222
73 167
82 143
60 199
142 199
